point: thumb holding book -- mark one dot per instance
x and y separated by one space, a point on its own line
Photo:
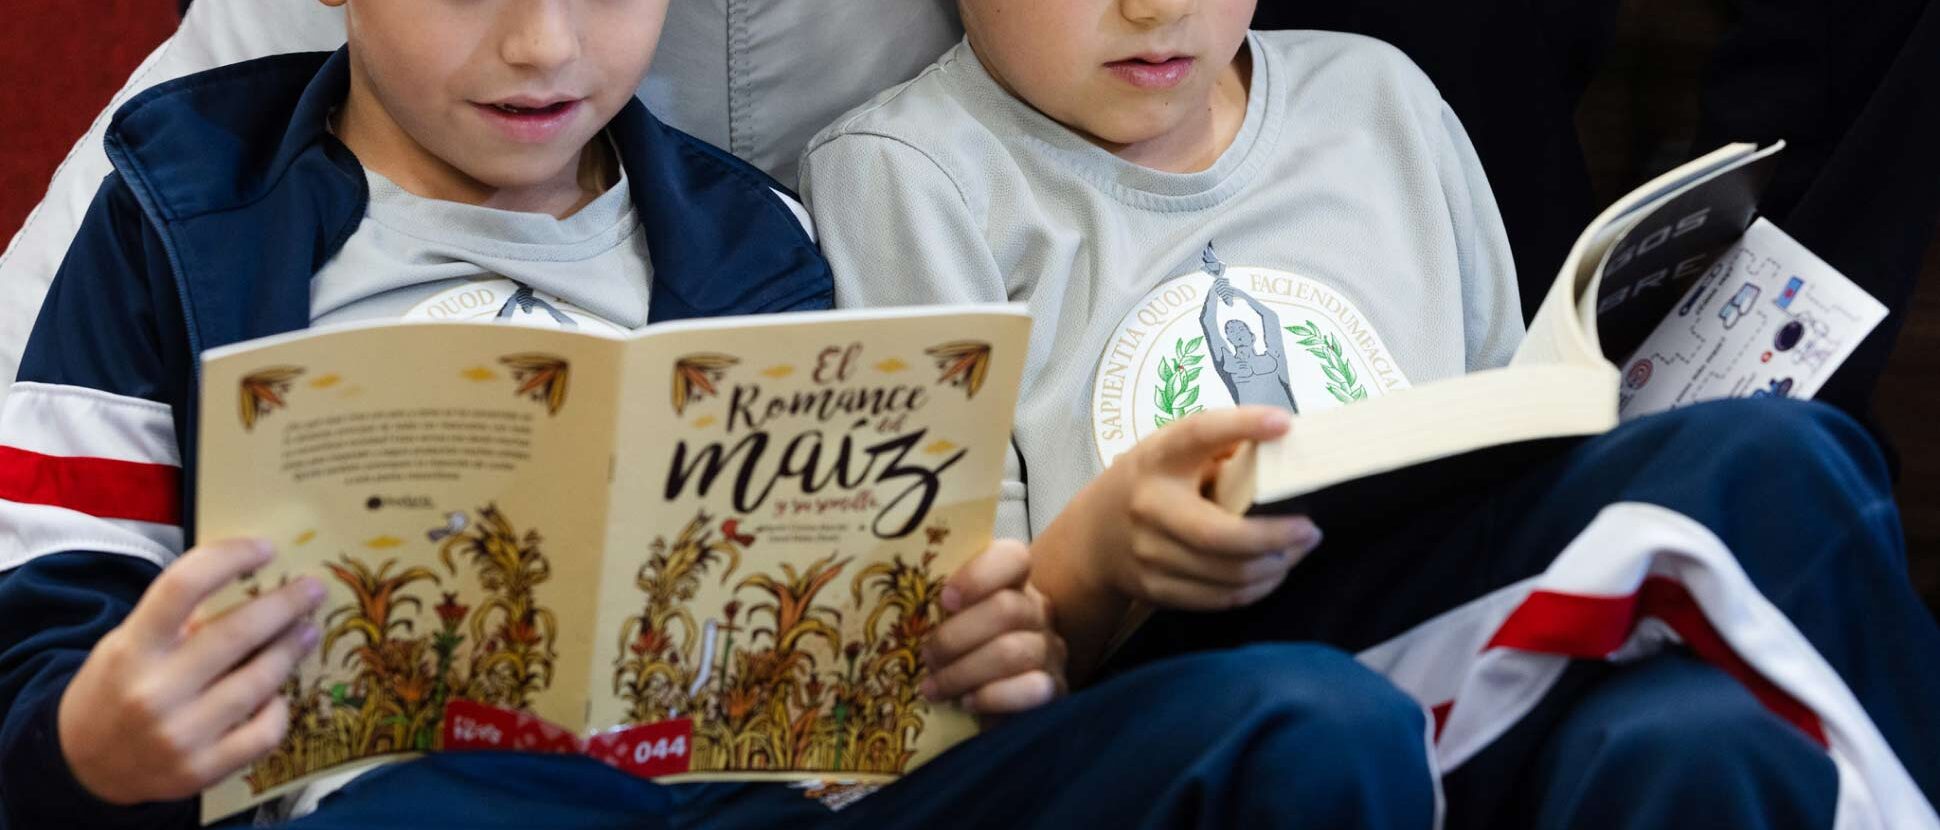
1148 530
1184 550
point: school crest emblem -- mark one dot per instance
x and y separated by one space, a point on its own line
1225 334
497 299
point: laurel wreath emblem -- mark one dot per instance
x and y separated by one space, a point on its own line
1341 381
1179 381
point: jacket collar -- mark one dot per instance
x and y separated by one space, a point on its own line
227 138
722 238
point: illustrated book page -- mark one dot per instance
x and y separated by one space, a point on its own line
780 537
705 548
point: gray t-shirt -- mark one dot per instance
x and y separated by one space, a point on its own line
1346 245
414 258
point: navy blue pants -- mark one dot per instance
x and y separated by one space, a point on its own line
1673 742
1265 736
1800 496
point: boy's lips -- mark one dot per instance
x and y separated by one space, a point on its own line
1152 73
530 120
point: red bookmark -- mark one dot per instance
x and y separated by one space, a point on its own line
470 725
648 750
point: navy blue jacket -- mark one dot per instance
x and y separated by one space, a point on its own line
228 196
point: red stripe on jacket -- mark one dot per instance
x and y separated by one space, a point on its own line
100 487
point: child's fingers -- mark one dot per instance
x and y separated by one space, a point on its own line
1005 564
1209 528
247 688
1169 590
218 646
1008 655
164 608
243 745
985 621
1015 694
1190 443
1171 556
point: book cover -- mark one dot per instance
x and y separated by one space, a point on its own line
709 550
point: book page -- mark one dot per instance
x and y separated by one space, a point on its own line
1564 328
1434 420
1769 319
1669 245
447 483
788 501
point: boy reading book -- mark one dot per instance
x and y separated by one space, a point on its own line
476 160
1198 216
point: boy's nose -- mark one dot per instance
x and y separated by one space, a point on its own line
543 34
1155 12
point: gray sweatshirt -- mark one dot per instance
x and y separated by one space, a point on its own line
1346 245
414 258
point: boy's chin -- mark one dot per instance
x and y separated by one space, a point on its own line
1129 129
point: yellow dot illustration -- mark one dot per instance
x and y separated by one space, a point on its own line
478 373
891 365
305 537
326 381
383 542
779 371
939 447
703 422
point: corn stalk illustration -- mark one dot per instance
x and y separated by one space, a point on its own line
884 714
321 735
540 377
962 363
387 679
393 684
263 390
697 377
515 633
800 691
385 705
651 673
763 730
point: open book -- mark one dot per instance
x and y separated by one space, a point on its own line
710 549
1674 283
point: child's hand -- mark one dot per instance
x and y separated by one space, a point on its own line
1157 537
997 652
164 707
